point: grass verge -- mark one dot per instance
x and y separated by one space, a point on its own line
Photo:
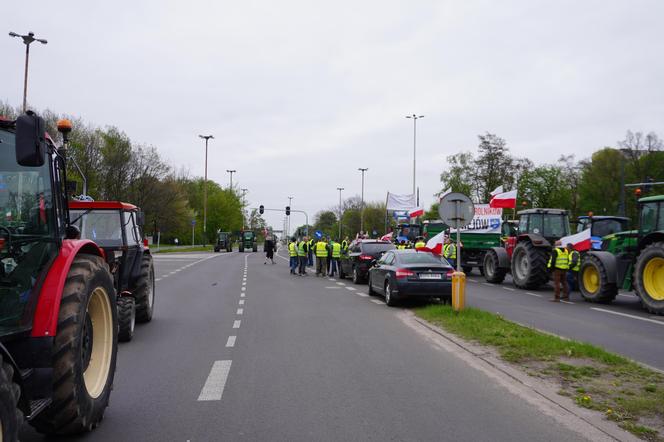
183 249
626 392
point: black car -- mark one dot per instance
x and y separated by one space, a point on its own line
361 255
401 274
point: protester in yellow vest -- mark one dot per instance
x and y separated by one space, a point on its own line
302 249
336 256
450 252
292 253
420 243
574 267
559 262
321 257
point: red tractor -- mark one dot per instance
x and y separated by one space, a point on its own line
117 228
58 315
527 253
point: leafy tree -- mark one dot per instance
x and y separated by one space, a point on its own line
493 166
459 176
326 221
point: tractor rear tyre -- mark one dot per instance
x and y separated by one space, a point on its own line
126 318
84 350
11 417
492 272
145 291
594 281
649 277
529 265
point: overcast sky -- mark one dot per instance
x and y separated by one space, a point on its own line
299 94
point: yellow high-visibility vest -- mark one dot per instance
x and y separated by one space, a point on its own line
300 249
336 250
449 251
420 244
562 259
577 266
321 249
292 249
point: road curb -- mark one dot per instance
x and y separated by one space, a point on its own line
588 423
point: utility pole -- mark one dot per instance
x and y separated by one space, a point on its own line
361 169
244 203
414 117
206 138
27 39
340 210
231 172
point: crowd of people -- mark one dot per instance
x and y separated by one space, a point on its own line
327 252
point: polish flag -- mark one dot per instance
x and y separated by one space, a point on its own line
414 213
387 237
496 191
581 241
505 200
435 244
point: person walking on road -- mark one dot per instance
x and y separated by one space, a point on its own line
321 257
559 263
269 249
336 256
292 253
574 267
302 249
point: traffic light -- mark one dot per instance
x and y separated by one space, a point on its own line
287 210
261 209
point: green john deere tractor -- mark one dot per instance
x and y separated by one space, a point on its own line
630 260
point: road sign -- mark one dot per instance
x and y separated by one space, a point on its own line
318 234
456 210
193 222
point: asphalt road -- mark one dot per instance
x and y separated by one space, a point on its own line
270 356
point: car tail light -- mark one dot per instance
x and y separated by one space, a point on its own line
366 257
449 274
404 273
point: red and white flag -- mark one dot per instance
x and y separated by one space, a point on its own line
581 241
496 191
414 213
435 244
387 237
505 200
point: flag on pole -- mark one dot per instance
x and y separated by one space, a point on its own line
435 244
497 190
505 200
581 241
400 202
414 213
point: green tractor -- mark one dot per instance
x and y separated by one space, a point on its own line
630 260
224 242
248 241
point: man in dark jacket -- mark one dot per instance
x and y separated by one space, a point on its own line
269 249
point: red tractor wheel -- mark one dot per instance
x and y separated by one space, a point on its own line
84 350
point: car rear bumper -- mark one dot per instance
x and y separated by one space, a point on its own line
414 289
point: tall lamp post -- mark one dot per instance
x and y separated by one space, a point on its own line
231 172
340 211
244 203
27 39
362 169
414 117
290 198
206 138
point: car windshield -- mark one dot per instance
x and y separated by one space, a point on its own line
101 226
420 258
374 248
27 238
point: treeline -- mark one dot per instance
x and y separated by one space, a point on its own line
118 169
590 184
327 221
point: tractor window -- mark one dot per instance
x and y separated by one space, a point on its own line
648 217
547 225
27 234
606 227
582 225
523 224
101 226
133 237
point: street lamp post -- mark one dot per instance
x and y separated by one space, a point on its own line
206 138
244 203
290 198
231 172
27 39
340 210
362 169
414 117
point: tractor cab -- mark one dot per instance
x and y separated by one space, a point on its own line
601 226
224 242
550 224
408 232
248 241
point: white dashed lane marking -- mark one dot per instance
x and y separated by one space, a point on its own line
241 301
240 311
375 301
216 381
510 289
534 294
333 287
231 341
654 321
350 288
364 295
242 295
237 323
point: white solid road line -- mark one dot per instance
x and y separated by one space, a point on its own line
216 381
231 341
375 301
332 287
534 294
241 301
654 321
236 324
240 311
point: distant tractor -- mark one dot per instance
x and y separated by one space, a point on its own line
58 319
629 260
117 228
526 254
601 226
224 242
248 241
